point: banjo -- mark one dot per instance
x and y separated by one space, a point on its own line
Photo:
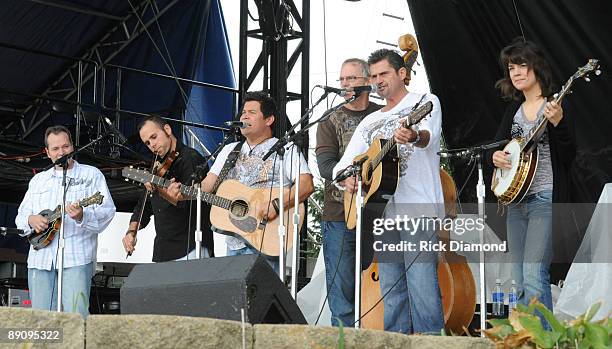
511 185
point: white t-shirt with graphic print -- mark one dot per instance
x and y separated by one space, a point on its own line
253 172
419 181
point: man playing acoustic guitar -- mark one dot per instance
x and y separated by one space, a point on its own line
408 279
259 112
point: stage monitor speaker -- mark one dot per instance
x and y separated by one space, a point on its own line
211 287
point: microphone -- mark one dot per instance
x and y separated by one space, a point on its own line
458 154
4 231
115 131
200 172
63 161
467 152
350 170
360 161
368 88
237 124
343 91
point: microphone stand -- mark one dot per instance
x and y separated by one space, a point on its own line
355 170
197 177
5 230
198 230
64 162
475 153
358 232
279 149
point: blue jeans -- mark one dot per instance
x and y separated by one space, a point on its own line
413 303
530 247
339 257
272 261
75 289
192 255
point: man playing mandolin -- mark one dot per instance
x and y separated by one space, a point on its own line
81 227
258 112
408 279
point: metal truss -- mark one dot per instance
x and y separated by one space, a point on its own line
276 28
84 71
276 20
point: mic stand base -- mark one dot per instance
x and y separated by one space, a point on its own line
61 242
198 230
480 193
281 217
358 247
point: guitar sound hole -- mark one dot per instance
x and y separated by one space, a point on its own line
239 208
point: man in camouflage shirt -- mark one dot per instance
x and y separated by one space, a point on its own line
333 135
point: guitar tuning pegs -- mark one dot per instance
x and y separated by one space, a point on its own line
598 72
587 79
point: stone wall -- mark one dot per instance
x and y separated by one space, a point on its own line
163 331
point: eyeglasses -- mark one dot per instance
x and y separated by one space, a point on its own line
350 78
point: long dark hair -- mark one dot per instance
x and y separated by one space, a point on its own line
518 52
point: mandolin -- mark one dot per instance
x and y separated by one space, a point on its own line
43 239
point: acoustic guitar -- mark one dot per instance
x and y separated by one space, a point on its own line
233 210
43 239
380 174
380 170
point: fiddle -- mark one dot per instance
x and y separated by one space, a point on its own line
159 169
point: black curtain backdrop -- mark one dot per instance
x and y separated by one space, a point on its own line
460 43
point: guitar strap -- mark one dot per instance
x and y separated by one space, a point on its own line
229 164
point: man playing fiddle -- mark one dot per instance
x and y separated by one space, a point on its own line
175 220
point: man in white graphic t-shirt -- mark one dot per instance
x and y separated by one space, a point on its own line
259 112
409 279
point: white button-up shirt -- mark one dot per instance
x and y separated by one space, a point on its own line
45 192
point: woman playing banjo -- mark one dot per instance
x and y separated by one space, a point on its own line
527 82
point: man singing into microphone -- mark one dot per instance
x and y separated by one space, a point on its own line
175 220
333 135
81 227
408 279
243 161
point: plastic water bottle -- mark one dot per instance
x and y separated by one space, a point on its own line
512 298
498 299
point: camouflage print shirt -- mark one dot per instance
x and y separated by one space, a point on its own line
333 135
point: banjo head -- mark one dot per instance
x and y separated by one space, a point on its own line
504 177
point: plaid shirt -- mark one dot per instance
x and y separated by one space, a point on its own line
45 192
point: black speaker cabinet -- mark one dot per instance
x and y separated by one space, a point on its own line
211 287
